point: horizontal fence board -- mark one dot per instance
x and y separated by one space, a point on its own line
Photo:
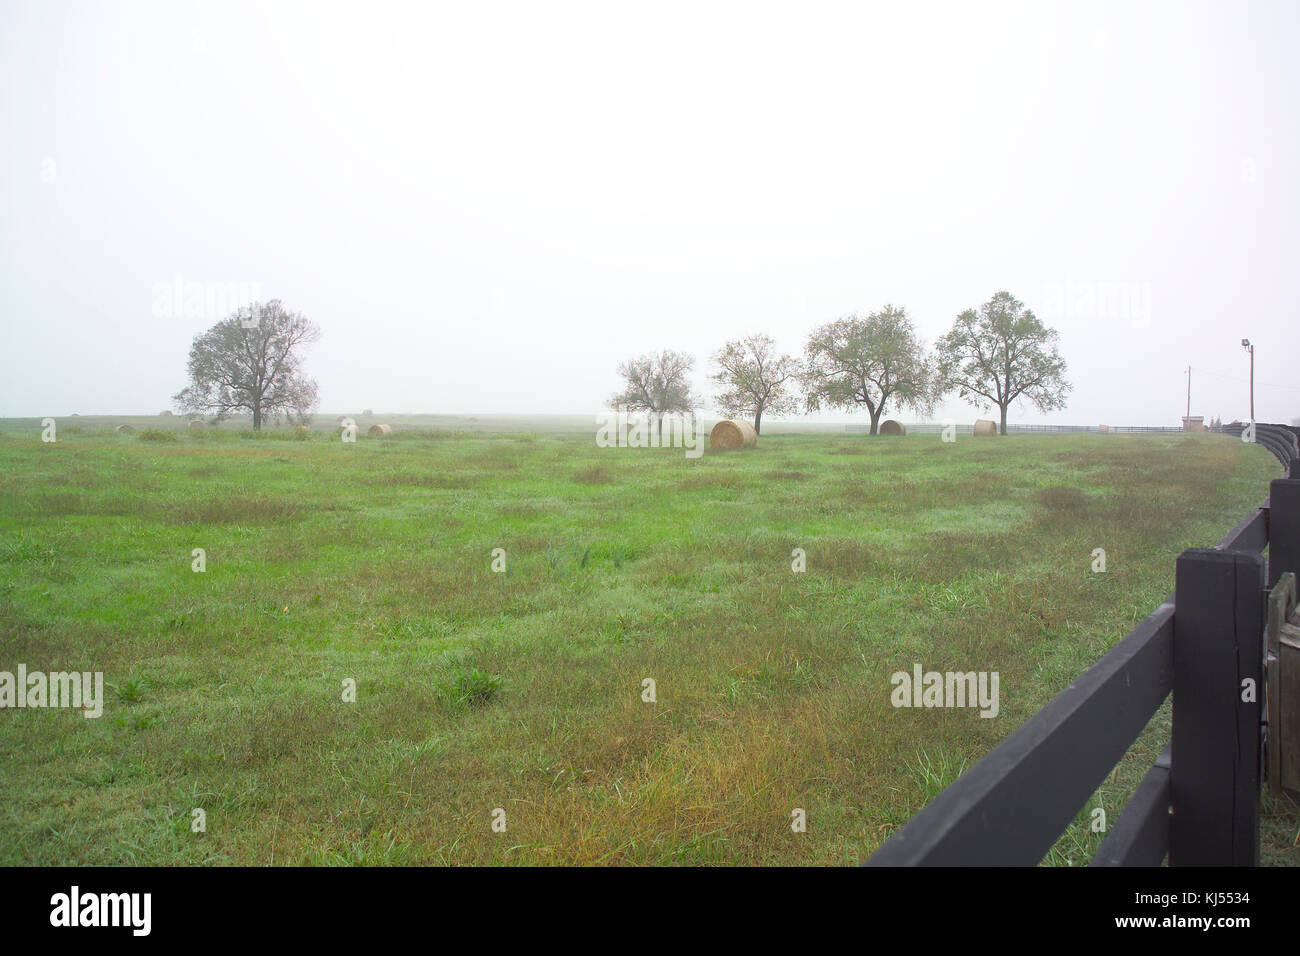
1012 806
1141 836
1251 534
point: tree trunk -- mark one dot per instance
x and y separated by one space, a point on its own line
1004 419
257 418
875 420
758 419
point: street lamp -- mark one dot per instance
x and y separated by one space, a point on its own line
1245 344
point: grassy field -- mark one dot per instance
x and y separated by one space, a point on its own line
522 690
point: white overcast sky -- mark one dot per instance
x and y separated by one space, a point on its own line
485 207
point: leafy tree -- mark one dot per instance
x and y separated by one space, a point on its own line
252 361
1000 354
658 384
869 362
756 379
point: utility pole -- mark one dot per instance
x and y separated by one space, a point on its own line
1245 344
1189 391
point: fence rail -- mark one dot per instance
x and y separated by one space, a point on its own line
1012 806
927 428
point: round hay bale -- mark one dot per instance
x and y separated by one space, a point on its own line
165 413
124 428
891 427
733 433
379 431
196 423
367 411
985 426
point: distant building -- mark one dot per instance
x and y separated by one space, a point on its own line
1194 423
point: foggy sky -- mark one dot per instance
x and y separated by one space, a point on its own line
485 207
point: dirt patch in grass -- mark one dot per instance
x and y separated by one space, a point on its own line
442 480
237 509
720 480
594 476
1063 500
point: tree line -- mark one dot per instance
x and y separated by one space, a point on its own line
994 355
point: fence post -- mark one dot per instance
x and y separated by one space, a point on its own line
1283 527
1218 646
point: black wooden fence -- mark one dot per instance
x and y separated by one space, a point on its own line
1199 803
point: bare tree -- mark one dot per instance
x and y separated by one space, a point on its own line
870 361
1002 353
657 384
756 379
252 361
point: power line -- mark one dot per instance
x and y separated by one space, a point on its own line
1241 380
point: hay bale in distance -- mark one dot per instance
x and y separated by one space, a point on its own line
985 426
379 431
124 428
196 423
733 433
165 413
892 427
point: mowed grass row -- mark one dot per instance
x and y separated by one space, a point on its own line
523 690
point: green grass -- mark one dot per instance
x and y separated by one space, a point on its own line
371 562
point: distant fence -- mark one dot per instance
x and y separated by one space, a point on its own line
1201 644
1112 429
927 428
1281 440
